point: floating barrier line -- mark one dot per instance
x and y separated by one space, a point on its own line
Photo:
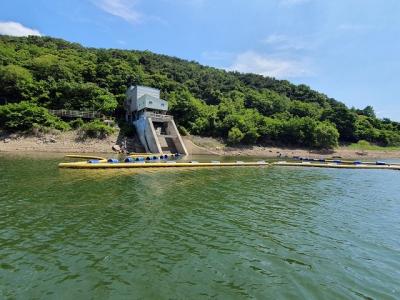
143 154
123 165
305 159
338 165
85 157
139 163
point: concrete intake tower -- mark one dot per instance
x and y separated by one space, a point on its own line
156 129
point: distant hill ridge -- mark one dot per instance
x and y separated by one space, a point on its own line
242 108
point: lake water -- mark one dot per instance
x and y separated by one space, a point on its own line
224 233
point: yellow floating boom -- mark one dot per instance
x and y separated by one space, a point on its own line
354 161
102 163
337 165
85 157
173 164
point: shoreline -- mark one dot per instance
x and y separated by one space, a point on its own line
65 142
68 142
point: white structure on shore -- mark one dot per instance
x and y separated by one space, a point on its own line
157 131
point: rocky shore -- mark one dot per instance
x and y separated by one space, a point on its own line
70 142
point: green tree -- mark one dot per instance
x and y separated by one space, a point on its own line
369 111
54 73
344 120
305 109
364 130
325 136
82 96
15 83
267 102
185 107
51 66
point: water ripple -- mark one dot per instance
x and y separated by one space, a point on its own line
208 233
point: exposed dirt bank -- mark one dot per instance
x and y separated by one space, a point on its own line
66 142
213 146
69 142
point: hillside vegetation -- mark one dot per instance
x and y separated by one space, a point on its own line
43 72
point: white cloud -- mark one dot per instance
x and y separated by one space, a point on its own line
17 29
253 62
125 9
283 42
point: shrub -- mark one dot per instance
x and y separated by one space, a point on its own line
183 131
326 136
25 116
235 136
389 138
77 123
365 130
363 144
96 129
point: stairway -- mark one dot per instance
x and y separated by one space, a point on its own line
159 134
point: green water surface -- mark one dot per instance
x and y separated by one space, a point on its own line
224 233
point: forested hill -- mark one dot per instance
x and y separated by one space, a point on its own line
51 73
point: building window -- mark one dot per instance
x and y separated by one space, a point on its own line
150 102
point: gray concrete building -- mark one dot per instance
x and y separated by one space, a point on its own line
156 129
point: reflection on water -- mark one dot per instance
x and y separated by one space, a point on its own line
197 233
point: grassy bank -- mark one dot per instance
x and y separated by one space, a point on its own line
366 146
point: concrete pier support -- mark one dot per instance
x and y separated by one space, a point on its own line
159 134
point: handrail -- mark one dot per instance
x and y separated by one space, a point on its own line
159 116
75 113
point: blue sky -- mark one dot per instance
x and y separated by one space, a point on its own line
347 49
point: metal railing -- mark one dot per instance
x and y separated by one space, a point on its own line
76 113
156 116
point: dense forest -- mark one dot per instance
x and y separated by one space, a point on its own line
40 73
